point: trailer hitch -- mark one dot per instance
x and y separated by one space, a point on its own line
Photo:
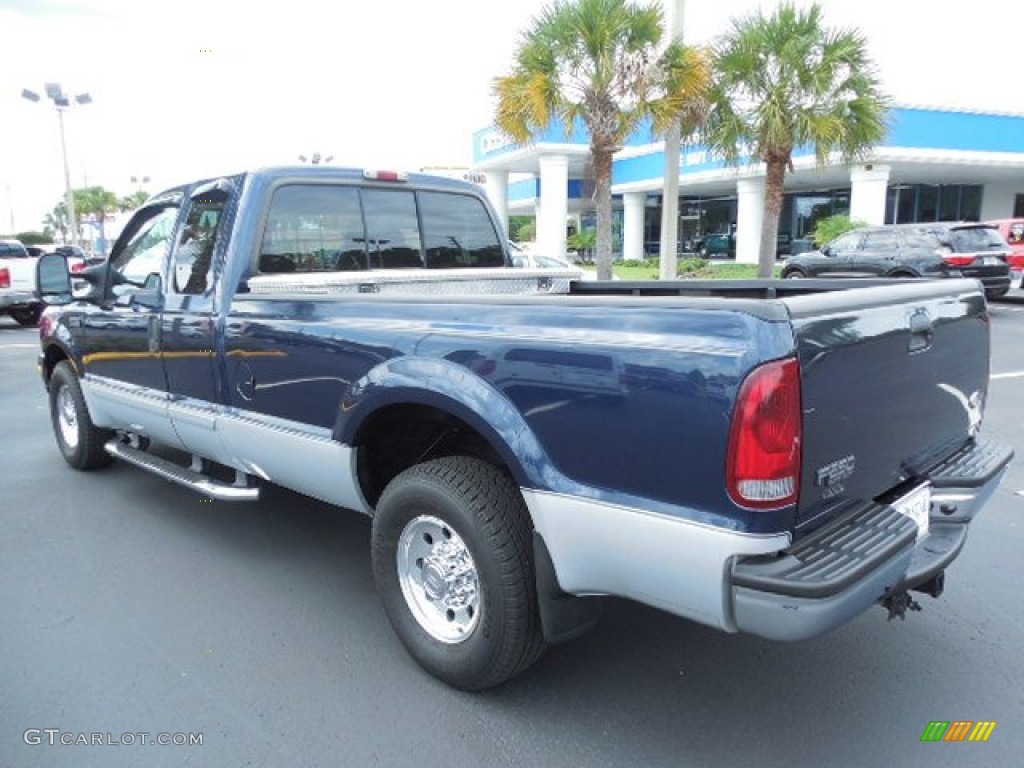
898 604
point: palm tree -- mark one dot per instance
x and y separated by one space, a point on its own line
133 201
786 81
98 202
599 62
57 221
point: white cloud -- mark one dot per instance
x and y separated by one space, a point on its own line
188 89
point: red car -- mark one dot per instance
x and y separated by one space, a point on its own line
1012 231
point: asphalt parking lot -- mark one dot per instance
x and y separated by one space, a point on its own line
129 606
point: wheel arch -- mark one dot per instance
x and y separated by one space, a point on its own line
413 409
54 353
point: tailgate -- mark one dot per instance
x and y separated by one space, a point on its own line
23 273
893 382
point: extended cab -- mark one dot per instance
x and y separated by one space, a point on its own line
771 457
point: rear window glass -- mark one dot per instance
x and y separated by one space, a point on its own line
967 239
919 239
327 228
314 229
457 232
12 250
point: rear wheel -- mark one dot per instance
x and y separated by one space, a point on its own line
794 274
80 441
453 562
27 316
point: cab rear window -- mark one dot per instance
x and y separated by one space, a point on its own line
329 228
12 251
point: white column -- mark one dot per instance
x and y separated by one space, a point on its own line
868 184
749 215
997 200
633 208
554 204
497 191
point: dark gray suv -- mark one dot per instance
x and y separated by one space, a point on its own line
930 249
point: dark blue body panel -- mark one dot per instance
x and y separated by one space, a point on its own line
644 413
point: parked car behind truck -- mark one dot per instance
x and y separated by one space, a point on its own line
935 249
770 457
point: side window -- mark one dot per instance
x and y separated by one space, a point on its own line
392 229
1015 235
457 232
193 254
313 228
146 248
845 243
880 241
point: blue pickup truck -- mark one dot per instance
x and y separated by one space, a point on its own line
771 457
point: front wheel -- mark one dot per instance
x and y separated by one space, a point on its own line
80 441
453 561
794 274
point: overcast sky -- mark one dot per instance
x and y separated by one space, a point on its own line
193 88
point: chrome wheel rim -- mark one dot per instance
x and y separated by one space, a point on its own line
439 579
67 417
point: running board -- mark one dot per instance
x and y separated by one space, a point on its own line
168 470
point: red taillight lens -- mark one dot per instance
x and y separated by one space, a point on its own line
5 277
763 464
78 266
956 260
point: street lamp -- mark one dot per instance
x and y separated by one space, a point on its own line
61 101
315 159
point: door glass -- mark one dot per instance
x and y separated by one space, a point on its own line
880 241
844 244
146 250
194 252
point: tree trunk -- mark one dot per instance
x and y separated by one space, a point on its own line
603 199
773 191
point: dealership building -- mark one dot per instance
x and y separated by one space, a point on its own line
933 165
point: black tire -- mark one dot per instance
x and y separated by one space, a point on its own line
794 274
427 518
79 440
27 316
702 252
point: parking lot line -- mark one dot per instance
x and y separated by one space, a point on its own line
18 346
1011 375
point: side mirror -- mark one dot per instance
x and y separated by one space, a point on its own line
151 293
53 279
826 250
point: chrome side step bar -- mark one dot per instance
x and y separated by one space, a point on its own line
168 470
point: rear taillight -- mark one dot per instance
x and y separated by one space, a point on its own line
5 277
78 266
763 464
957 260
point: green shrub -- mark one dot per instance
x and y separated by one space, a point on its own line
829 229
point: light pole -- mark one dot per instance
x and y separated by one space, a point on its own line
668 262
61 101
315 159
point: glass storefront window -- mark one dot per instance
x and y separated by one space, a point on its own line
949 203
927 203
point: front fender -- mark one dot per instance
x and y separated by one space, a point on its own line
57 343
451 388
